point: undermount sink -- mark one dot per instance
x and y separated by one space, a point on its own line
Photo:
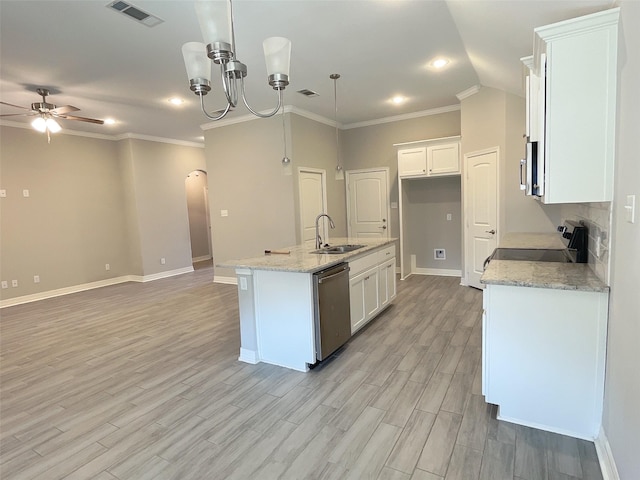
336 249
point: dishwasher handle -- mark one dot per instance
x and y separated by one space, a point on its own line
328 277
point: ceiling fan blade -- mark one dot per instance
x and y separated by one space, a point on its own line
17 114
12 105
64 109
82 119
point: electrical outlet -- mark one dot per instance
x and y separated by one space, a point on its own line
5 284
14 283
3 193
224 213
107 266
439 254
448 217
36 279
162 261
25 193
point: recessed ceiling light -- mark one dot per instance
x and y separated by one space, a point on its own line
398 99
176 101
109 121
439 62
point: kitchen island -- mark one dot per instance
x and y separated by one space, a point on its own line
277 304
544 340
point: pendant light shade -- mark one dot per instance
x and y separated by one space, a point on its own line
277 55
215 21
216 24
196 61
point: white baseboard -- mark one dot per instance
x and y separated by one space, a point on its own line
442 272
201 258
248 356
605 457
34 297
159 275
225 280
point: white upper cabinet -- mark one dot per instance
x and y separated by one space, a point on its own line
572 109
427 158
444 159
412 162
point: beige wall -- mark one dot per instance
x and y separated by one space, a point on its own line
314 145
71 224
372 146
91 202
493 118
426 204
247 178
621 420
159 172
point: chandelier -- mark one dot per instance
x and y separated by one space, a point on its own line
216 25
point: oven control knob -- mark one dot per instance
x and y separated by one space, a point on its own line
566 235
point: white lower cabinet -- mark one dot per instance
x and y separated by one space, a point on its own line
544 357
387 282
372 285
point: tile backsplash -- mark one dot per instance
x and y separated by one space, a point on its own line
597 218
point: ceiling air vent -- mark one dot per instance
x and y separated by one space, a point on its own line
308 93
135 13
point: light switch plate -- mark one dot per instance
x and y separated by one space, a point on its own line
224 213
630 209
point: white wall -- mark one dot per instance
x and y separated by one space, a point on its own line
621 420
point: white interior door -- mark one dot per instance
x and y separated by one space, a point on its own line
481 211
368 203
313 202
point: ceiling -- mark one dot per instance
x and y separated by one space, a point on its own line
111 66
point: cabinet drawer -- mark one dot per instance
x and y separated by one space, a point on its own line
363 263
386 253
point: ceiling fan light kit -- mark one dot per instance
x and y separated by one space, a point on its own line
46 114
216 24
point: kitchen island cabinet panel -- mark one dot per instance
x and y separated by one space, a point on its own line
544 357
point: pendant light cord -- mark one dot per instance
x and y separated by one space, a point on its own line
335 77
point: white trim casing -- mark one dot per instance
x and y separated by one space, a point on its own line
225 280
605 457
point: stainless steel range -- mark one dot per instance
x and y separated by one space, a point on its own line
574 236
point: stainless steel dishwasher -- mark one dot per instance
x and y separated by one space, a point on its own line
332 309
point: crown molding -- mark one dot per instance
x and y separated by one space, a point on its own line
406 116
468 92
102 136
287 109
150 138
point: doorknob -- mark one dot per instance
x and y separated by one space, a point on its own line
384 227
492 232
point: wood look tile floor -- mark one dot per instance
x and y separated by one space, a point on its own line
141 381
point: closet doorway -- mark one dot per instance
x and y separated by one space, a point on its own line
197 191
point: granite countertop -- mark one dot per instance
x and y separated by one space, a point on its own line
558 276
302 260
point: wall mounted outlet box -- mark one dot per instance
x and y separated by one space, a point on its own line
14 283
224 213
5 284
107 266
439 254
25 193
163 261
3 193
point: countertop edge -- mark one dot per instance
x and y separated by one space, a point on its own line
325 260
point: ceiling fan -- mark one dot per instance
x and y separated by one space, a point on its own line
47 113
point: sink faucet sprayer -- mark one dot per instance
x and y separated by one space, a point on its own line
318 237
